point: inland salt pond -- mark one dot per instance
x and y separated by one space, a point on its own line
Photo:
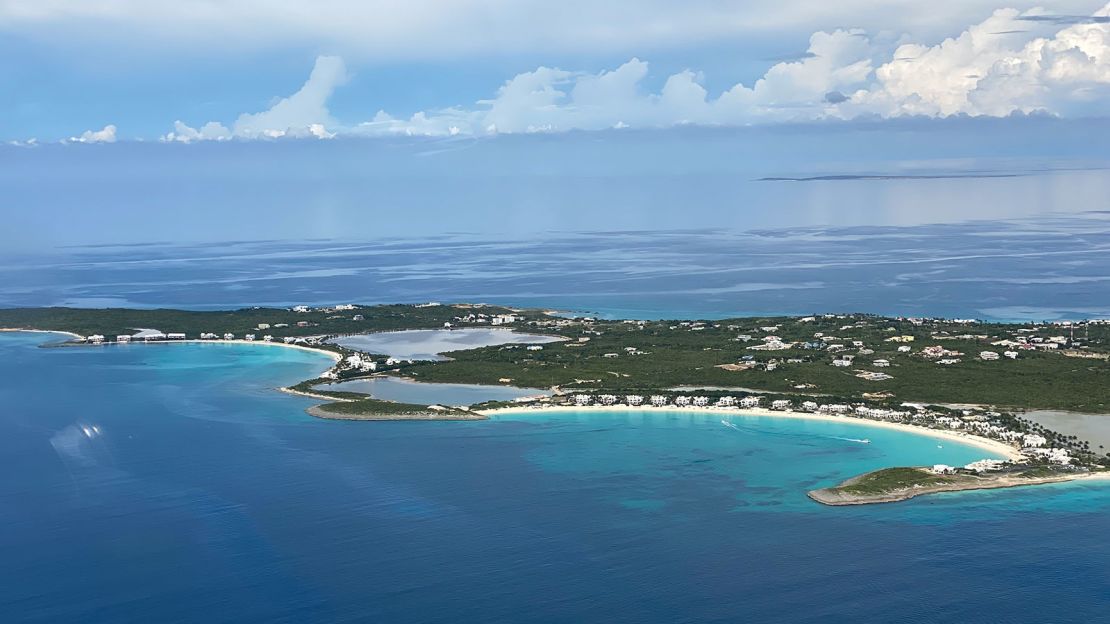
430 344
422 393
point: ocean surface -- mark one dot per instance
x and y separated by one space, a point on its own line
1042 267
171 483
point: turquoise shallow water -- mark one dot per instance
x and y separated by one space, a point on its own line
172 484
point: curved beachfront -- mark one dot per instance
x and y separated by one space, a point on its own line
994 446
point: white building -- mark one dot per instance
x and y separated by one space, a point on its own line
726 401
781 404
249 337
658 400
904 349
95 338
988 355
229 336
682 401
123 338
1011 354
700 401
634 400
943 469
581 400
809 406
750 401
1033 440
881 363
985 465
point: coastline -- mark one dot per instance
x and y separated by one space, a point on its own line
828 496
39 331
317 411
994 446
313 395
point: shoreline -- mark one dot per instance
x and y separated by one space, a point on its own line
994 446
14 330
827 496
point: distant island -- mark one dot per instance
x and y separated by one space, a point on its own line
946 377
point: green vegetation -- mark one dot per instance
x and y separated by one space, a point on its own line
654 356
373 409
672 355
891 480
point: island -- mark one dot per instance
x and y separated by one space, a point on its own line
961 378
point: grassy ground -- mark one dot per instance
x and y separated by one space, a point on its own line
892 480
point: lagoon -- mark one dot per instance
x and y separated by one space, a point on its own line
175 485
430 344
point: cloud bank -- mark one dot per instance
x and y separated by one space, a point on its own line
1013 62
105 135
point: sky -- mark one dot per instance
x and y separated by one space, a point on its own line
137 121
102 71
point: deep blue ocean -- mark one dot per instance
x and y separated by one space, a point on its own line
171 483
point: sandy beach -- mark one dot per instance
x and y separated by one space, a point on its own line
994 446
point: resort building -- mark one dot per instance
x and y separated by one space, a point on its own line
123 338
700 401
781 404
682 401
658 400
985 465
751 401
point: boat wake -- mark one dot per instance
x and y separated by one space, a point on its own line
859 440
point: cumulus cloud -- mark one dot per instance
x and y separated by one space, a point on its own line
105 135
303 114
996 67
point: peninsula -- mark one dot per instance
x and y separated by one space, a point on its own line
962 378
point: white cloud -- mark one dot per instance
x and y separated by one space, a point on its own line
1012 61
303 114
304 109
105 135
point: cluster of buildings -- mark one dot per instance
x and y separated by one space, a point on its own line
482 318
143 335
